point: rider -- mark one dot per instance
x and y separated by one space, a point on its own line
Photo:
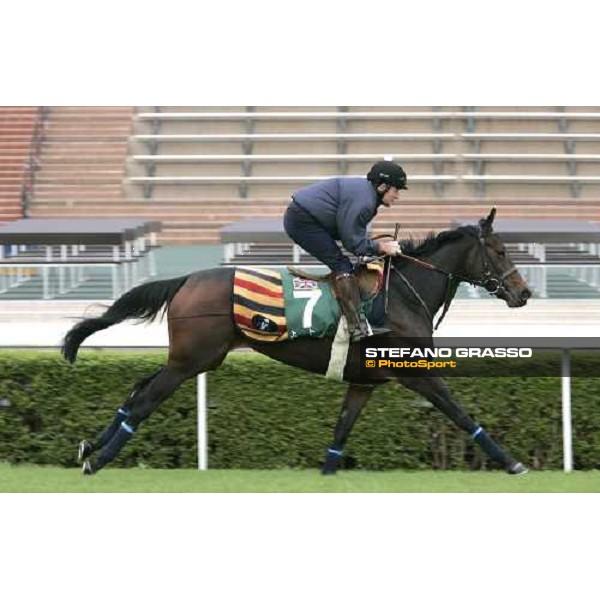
341 209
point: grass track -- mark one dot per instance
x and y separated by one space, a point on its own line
55 479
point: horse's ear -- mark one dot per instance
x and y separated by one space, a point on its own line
486 224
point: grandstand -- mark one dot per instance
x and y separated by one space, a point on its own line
200 169
19 129
82 160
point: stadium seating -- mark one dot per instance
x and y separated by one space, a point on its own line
82 161
200 168
17 127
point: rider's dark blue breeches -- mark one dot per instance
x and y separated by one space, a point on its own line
305 231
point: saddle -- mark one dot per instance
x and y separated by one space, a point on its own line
368 275
273 306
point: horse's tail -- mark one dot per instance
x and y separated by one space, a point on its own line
142 302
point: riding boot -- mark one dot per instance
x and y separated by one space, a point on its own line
348 295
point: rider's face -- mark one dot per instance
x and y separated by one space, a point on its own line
390 196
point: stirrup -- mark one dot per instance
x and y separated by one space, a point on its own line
380 331
358 331
365 330
358 335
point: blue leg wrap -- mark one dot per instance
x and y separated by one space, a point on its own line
109 432
128 428
334 452
332 461
110 451
490 447
477 432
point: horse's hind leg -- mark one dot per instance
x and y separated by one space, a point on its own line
193 350
144 403
87 447
436 391
356 398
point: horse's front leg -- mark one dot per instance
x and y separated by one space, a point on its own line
356 397
437 392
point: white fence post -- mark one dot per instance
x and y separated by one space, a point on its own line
202 429
566 412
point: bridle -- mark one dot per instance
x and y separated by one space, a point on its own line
493 284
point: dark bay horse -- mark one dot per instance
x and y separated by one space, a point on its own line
202 332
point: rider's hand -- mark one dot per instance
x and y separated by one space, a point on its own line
390 248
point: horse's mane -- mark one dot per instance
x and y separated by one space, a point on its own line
432 241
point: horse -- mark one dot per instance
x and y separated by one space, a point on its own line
198 306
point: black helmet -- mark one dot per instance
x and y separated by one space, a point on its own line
386 171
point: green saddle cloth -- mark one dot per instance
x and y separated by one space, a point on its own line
311 310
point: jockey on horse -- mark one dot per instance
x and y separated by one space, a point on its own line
341 208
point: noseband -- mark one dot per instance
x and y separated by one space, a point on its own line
493 285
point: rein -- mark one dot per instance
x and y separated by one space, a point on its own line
491 284
387 277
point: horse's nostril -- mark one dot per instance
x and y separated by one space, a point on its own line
525 294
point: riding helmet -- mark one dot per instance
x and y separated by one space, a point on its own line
388 172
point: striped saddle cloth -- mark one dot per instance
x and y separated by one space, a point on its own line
273 306
259 305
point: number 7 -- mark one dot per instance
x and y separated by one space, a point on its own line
313 297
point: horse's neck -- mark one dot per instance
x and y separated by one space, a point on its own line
452 257
432 286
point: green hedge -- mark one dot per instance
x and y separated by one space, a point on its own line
266 415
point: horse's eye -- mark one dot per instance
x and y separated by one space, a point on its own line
501 253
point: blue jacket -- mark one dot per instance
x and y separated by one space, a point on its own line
343 206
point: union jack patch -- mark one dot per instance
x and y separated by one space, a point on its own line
304 284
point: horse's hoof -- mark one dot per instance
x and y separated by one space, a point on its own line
84 450
517 468
87 468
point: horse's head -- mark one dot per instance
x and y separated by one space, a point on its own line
491 265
